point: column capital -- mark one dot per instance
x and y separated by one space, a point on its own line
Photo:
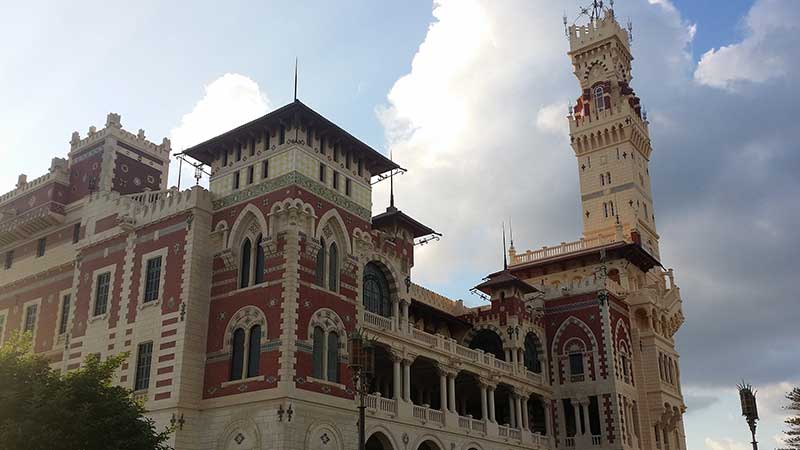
488 383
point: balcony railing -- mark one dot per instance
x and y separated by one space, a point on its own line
514 433
569 442
562 249
379 321
425 414
450 346
596 440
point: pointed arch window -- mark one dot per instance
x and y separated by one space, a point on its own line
320 269
333 267
602 179
599 98
237 356
531 354
317 363
333 357
259 269
245 353
254 351
325 355
376 291
244 266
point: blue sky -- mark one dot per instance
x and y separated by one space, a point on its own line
471 96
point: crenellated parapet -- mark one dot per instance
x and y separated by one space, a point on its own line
114 128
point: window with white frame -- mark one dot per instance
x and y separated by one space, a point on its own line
251 261
144 358
325 355
599 98
102 290
152 282
29 325
63 321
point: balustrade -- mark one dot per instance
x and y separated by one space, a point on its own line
596 440
569 442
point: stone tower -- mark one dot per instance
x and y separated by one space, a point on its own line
609 134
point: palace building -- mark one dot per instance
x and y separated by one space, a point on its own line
236 302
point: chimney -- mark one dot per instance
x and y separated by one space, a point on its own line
22 180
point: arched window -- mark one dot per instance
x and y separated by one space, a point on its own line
333 357
599 100
605 209
576 363
254 351
608 177
244 265
259 275
333 268
624 365
320 269
531 355
602 179
237 357
611 207
376 291
317 353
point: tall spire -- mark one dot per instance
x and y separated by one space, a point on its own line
295 79
505 258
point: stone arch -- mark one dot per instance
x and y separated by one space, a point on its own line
580 324
384 435
481 330
333 219
240 434
426 438
328 320
249 223
323 436
472 445
531 336
246 317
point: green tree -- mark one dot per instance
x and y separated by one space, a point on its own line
42 409
793 432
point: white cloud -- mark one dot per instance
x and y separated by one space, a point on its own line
551 118
768 51
229 101
725 444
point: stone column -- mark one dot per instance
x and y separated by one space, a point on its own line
442 390
407 380
396 314
512 409
548 417
406 324
492 417
397 380
508 355
484 410
585 413
526 425
451 387
520 413
576 407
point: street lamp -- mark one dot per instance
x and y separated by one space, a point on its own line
362 365
749 409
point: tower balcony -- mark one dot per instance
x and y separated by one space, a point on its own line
563 249
31 222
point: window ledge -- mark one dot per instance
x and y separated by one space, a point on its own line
98 317
326 382
144 304
242 381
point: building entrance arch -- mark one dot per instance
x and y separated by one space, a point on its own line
379 441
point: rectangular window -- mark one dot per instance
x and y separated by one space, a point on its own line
144 358
30 318
224 158
310 137
347 160
576 363
250 175
101 294
236 180
347 187
336 152
9 259
152 279
76 233
266 140
40 247
282 135
239 151
265 170
322 172
322 144
62 324
336 180
252 147
360 167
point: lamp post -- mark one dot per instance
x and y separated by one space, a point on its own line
749 409
362 364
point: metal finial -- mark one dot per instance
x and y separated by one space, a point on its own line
295 79
505 258
391 183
